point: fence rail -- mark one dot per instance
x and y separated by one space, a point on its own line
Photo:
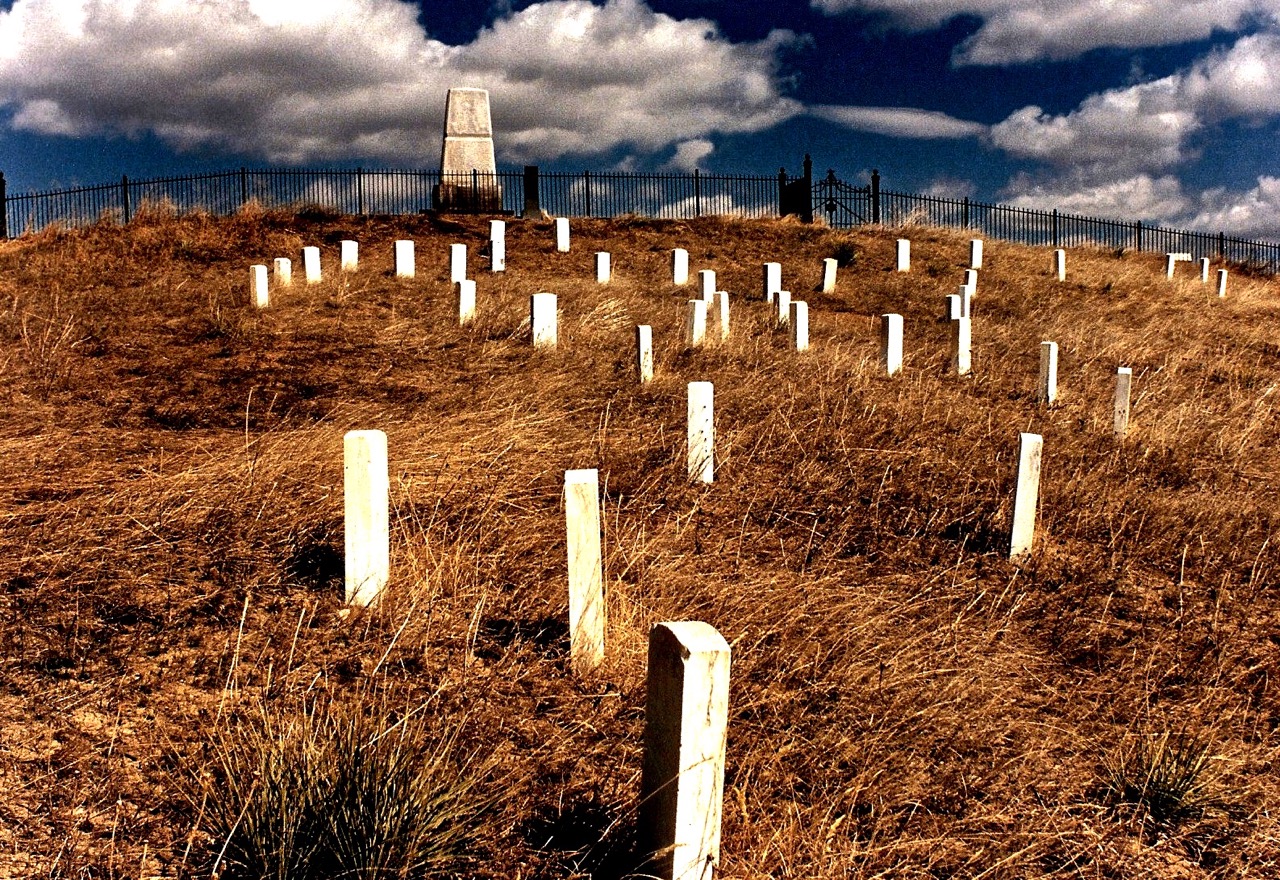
609 194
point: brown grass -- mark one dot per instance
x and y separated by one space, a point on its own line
905 702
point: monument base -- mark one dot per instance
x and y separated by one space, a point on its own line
452 198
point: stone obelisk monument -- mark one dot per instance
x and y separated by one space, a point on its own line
468 172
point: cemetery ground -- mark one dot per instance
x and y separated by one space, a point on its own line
177 668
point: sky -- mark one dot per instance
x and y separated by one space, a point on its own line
1162 111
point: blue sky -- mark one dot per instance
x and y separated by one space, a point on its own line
1165 111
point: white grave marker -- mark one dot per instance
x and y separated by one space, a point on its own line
799 325
975 253
497 245
349 256
457 263
904 255
955 306
891 344
695 323
562 234
644 353
971 280
720 308
406 264
366 514
686 722
1222 283
1027 494
772 280
311 264
466 289
603 267
1124 384
783 301
707 283
966 300
1060 264
702 432
282 269
542 319
1047 388
1204 270
258 294
828 275
680 266
586 573
1170 260
961 338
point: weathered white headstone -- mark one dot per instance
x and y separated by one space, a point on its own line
603 267
468 170
971 280
966 300
828 275
311 264
1170 260
961 338
366 514
686 724
542 319
975 253
258 294
406 266
772 280
644 353
783 300
955 306
562 234
695 323
1027 495
799 325
891 344
457 263
349 256
707 283
1222 283
1047 389
282 270
904 255
466 289
702 432
586 574
1204 270
497 245
679 266
1060 264
1124 384
720 309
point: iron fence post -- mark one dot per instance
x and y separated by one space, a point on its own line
1137 236
875 196
124 196
1222 245
244 187
4 208
782 188
697 193
532 199
1055 227
360 191
586 177
964 214
807 216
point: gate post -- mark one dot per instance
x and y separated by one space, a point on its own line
807 215
4 208
875 196
782 192
532 201
124 195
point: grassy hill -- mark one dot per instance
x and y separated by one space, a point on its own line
905 702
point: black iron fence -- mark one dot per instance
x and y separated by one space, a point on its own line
609 194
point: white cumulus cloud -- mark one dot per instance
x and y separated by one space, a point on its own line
899 121
1254 213
296 81
1141 196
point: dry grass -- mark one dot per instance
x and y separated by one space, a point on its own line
905 703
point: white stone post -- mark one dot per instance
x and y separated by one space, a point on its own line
686 720
955 306
497 245
258 294
707 283
586 574
961 337
1222 283
466 289
783 301
975 253
799 325
971 280
311 264
1027 494
282 270
1170 260
406 264
702 432
1047 388
891 344
644 353
366 513
562 234
828 275
1124 384
542 319
695 323
904 255
966 300
1060 264
772 280
720 308
603 267
457 263
1204 270
349 256
680 266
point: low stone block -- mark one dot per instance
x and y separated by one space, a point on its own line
282 271
349 256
